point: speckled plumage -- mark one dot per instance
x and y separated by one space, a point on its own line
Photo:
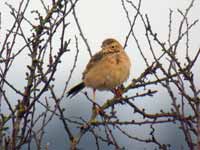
107 69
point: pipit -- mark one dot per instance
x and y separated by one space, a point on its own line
106 70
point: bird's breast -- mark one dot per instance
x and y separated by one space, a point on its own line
110 72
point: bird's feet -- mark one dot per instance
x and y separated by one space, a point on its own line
118 92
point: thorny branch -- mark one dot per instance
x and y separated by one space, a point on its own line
165 71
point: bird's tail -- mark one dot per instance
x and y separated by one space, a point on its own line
73 91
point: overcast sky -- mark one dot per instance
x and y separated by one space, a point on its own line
101 19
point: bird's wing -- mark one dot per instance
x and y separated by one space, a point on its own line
98 57
93 61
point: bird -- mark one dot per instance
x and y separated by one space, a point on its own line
106 70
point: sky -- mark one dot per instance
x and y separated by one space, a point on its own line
100 19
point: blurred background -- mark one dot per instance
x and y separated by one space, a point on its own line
100 19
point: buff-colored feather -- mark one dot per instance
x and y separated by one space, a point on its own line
108 68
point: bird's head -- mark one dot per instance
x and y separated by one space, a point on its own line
111 45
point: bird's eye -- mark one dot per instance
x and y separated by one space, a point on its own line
113 47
